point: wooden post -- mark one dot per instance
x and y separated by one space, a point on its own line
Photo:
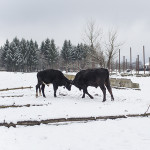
123 63
131 60
149 65
116 66
119 60
126 64
144 58
138 63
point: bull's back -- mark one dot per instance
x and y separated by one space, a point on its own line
49 76
95 74
92 77
102 73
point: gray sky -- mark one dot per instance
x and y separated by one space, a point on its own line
66 19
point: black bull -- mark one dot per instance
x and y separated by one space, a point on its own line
55 77
95 78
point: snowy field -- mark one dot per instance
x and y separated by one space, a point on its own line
120 134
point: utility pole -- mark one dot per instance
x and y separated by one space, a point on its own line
131 60
123 63
138 63
126 64
119 60
149 65
144 58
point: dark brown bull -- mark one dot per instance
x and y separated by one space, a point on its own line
95 78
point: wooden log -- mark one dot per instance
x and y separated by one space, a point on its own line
18 88
12 96
28 123
15 106
73 119
125 88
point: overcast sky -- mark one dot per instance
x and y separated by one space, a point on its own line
66 19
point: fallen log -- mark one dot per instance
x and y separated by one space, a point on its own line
18 88
12 96
73 119
15 106
124 88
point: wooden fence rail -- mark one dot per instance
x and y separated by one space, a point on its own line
18 88
73 119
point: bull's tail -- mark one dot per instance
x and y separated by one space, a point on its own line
107 84
38 86
45 83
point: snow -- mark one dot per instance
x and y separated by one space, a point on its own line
124 134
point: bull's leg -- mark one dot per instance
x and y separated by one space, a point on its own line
37 87
40 91
83 96
109 89
104 92
55 89
43 87
86 92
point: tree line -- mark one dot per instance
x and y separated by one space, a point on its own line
27 55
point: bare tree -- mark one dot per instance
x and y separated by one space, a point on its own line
92 38
112 47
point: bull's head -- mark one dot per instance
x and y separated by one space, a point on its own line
77 84
68 84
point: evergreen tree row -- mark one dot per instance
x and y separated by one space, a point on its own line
19 55
26 56
74 55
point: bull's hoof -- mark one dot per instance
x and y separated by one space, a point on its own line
104 100
83 96
91 97
112 98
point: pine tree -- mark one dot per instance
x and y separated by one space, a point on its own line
67 53
9 60
50 52
4 49
53 53
32 55
24 54
46 51
15 54
41 56
42 48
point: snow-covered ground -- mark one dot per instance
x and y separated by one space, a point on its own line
124 134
